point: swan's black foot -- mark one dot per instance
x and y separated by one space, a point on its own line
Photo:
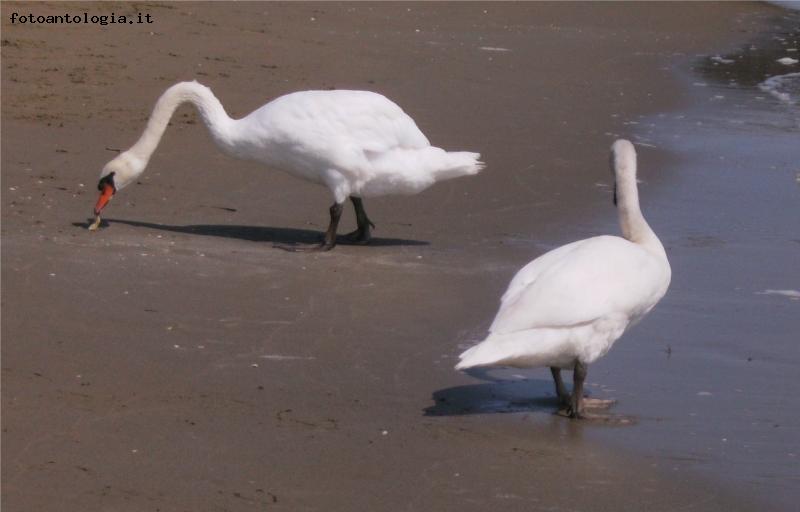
567 410
363 234
598 418
574 414
359 236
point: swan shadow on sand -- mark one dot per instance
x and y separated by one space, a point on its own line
495 395
275 235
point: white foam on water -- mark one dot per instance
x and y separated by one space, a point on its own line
792 294
787 4
784 87
493 49
722 60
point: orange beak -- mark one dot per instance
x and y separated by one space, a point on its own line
106 193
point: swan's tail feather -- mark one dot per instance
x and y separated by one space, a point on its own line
459 163
526 349
408 171
489 352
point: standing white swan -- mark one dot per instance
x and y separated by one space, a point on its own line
567 307
356 143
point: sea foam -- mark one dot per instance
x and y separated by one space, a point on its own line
788 4
784 87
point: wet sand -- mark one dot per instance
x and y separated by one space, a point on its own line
177 361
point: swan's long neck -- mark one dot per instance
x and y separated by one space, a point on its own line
631 220
211 110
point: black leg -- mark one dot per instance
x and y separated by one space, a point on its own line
561 390
578 376
363 234
330 235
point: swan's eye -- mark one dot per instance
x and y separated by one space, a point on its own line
108 179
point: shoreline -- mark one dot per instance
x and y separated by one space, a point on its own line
184 363
732 207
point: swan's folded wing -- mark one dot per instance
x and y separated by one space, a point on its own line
579 283
380 126
345 130
531 272
367 119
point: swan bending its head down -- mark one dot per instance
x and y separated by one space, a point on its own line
356 143
566 308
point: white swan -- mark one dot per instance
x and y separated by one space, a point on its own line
567 307
356 143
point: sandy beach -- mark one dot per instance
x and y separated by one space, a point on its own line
176 360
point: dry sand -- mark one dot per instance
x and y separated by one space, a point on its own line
177 361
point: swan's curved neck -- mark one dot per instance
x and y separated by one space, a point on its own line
211 110
631 220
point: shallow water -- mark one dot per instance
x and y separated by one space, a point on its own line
707 382
712 373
